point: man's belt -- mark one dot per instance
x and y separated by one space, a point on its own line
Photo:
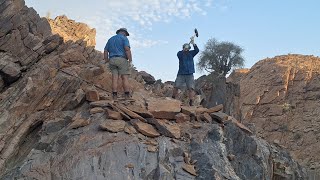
118 56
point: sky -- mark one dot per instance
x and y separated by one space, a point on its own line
159 28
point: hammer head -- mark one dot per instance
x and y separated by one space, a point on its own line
196 32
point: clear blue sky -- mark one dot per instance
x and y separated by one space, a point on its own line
158 28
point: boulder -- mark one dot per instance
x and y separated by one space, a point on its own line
188 110
206 118
133 115
113 126
130 129
215 109
79 121
77 99
10 71
113 115
219 117
182 118
190 169
145 128
96 110
92 95
148 78
165 108
141 111
166 128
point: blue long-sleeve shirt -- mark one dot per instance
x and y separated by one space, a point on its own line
186 63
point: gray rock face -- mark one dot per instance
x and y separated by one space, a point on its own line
90 153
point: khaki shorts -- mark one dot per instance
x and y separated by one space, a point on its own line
119 65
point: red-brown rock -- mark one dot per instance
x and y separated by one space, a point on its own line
166 128
113 126
92 95
182 118
145 128
113 115
165 108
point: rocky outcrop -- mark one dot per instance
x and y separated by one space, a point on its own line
209 151
24 39
280 96
148 78
212 89
74 31
50 129
233 92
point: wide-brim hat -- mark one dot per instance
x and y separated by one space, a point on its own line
124 30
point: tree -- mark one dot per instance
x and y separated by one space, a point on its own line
220 57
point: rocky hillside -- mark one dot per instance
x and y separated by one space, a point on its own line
57 120
73 31
280 96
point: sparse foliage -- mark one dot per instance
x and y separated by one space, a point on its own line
220 57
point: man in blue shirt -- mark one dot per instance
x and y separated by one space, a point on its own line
118 54
186 70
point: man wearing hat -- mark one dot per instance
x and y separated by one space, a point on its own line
118 54
186 70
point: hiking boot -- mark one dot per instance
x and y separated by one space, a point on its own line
127 95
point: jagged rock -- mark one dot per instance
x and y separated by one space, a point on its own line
113 115
166 128
79 121
96 110
50 44
71 30
77 100
206 118
201 110
242 126
133 115
92 95
197 126
145 128
130 129
231 157
152 142
215 109
152 148
102 103
141 111
164 108
148 78
188 110
124 115
190 169
219 117
197 118
271 94
186 158
9 70
113 126
104 96
182 118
